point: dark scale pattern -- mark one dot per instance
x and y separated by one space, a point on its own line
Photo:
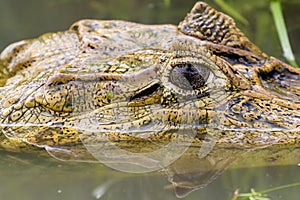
144 86
207 24
210 25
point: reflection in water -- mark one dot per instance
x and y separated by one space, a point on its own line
36 177
191 173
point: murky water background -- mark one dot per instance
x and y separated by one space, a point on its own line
31 176
35 176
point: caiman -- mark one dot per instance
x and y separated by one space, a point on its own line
107 84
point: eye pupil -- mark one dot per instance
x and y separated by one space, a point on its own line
189 76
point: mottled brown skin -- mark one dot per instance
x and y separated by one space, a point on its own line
108 80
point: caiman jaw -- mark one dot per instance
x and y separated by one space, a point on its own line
120 79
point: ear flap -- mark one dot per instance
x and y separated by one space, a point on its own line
218 32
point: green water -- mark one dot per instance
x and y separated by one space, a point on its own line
32 177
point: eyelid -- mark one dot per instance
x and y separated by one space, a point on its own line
216 78
210 78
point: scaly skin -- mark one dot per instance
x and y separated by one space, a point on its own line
142 86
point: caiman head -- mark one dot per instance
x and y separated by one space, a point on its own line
135 84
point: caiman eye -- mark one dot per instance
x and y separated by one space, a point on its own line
190 76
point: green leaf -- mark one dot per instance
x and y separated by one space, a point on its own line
282 32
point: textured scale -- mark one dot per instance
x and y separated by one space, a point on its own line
110 80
